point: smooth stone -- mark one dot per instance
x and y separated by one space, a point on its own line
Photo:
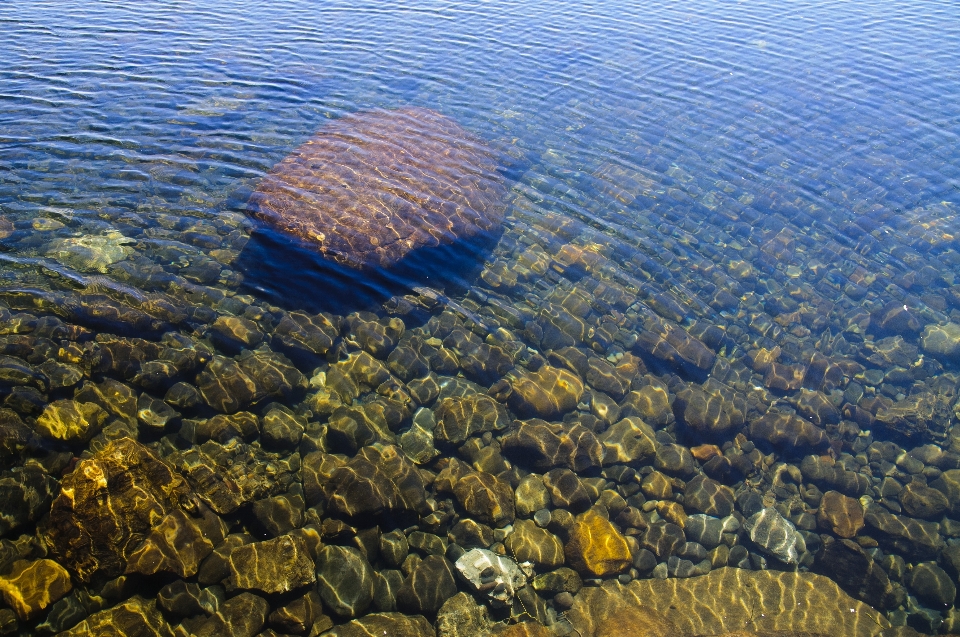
566 490
177 544
344 580
941 341
932 585
857 573
297 616
462 616
562 580
394 548
840 515
921 501
187 599
707 496
429 585
547 393
385 589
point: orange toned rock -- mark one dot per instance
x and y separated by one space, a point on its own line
839 514
704 452
596 548
672 512
371 187
30 587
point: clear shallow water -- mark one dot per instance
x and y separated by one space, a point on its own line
677 142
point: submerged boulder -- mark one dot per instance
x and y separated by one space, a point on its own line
371 187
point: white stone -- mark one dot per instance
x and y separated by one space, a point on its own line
497 576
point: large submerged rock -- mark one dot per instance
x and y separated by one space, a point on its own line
371 187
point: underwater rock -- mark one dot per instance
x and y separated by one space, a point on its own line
107 505
91 253
788 432
547 393
921 501
440 185
300 615
240 616
650 403
70 421
941 341
14 371
566 490
774 535
462 616
459 417
428 586
529 543
846 563
840 515
703 495
484 496
234 333
229 475
392 624
496 577
304 334
542 446
177 544
344 580
25 496
914 539
135 616
225 386
932 586
280 565
596 548
723 602
628 441
31 587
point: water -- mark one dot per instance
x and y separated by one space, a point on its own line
772 180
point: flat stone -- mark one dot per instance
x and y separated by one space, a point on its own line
566 490
486 498
857 573
177 544
241 616
31 587
941 341
531 496
921 501
703 495
496 577
650 403
547 393
931 585
629 440
459 417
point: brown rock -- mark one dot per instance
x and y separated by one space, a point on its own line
840 515
371 187
547 393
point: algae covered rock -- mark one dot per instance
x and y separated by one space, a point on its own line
344 580
547 393
280 565
393 624
542 446
371 187
135 616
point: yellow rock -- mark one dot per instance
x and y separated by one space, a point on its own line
596 548
71 421
30 587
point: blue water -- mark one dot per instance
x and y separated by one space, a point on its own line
676 139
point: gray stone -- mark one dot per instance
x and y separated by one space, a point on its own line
774 535
344 580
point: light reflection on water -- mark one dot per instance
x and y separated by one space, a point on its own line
785 172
